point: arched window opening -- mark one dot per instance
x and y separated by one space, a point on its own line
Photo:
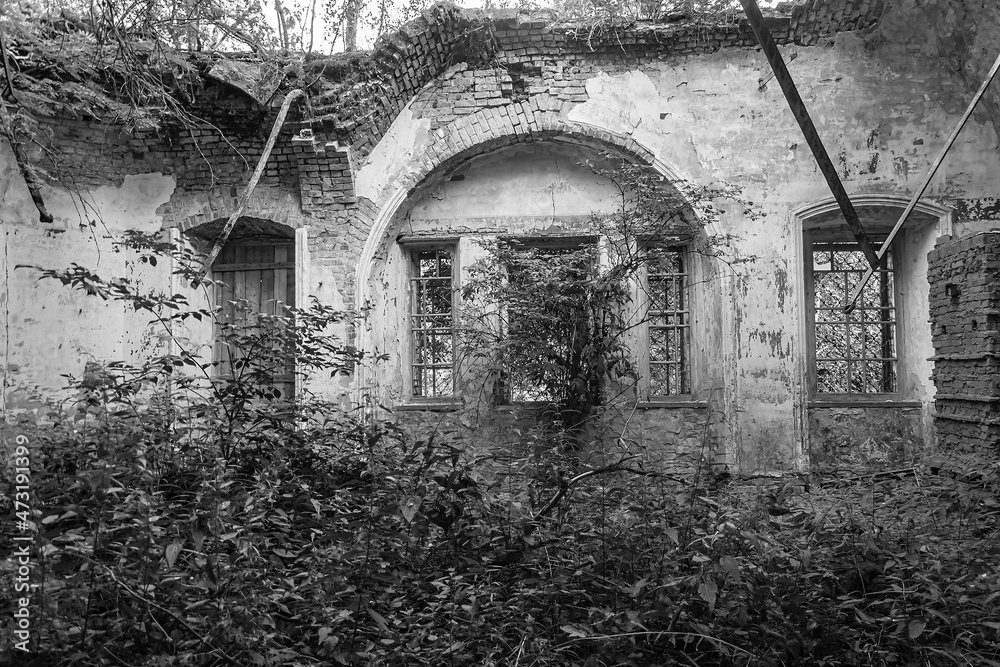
578 286
253 294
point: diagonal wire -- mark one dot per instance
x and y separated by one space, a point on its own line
927 181
809 131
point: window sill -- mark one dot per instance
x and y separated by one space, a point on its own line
521 405
864 403
671 403
429 406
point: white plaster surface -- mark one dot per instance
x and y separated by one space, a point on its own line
51 329
387 163
535 181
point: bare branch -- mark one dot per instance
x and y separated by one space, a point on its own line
258 172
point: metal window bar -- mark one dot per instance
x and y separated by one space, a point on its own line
669 322
854 353
432 327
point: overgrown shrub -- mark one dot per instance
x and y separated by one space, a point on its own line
186 521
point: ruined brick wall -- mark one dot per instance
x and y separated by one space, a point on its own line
450 63
89 154
964 276
507 57
495 58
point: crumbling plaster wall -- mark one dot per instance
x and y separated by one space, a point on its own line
882 110
151 181
963 38
535 190
355 103
963 35
50 329
530 190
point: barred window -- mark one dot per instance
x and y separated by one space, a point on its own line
852 353
432 321
668 322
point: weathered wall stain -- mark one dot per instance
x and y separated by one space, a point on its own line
873 437
773 340
873 163
983 208
900 166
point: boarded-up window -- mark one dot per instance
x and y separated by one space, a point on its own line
256 286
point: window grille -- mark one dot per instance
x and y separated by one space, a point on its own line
432 322
668 323
853 353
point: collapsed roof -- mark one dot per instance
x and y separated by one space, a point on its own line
60 68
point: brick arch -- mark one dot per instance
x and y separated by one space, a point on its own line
187 210
523 122
483 132
479 133
245 225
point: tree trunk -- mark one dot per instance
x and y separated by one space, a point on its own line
28 171
352 10
268 147
282 26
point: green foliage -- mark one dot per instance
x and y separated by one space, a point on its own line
123 62
608 13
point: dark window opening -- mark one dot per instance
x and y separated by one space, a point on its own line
254 290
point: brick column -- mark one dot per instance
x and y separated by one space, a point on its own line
964 277
326 177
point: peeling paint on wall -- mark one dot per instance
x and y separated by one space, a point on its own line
871 437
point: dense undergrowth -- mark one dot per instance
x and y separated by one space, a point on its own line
186 519
337 543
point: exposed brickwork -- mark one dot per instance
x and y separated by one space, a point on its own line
538 119
964 277
354 99
192 209
354 104
326 177
484 80
533 55
92 154
462 91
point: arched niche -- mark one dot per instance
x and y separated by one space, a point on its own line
885 422
541 193
246 228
